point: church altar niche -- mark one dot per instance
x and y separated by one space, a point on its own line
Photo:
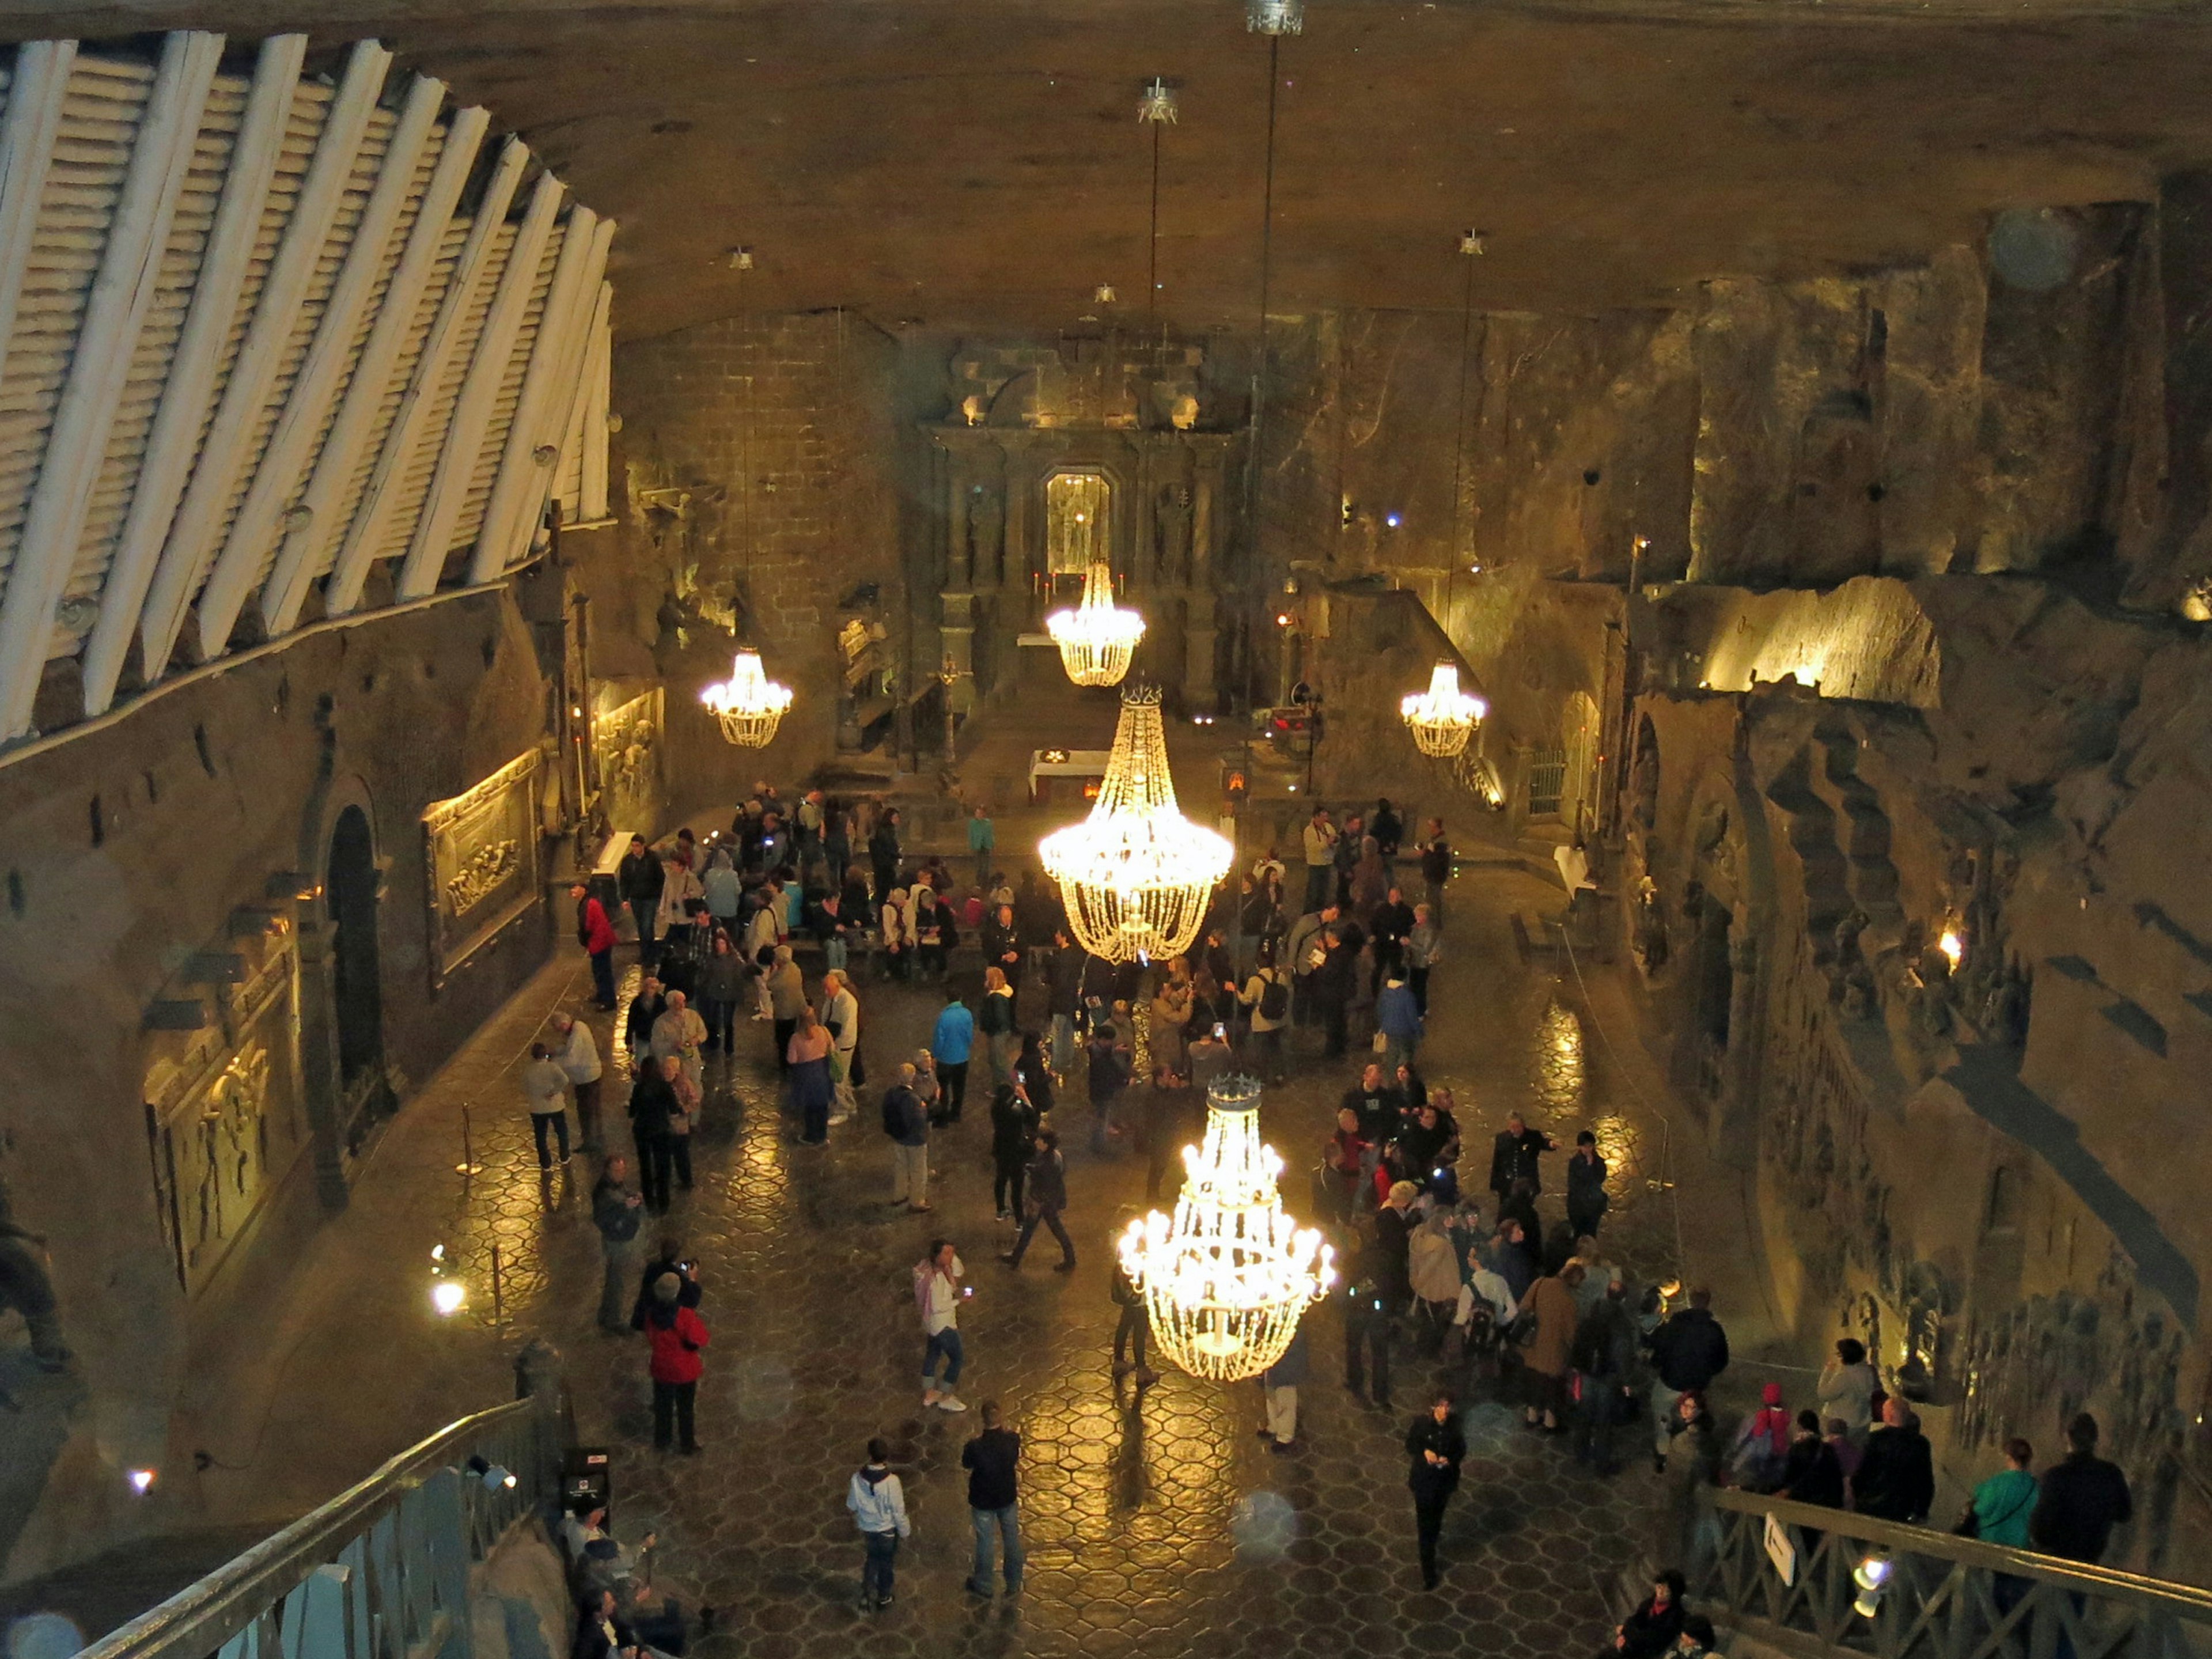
1055 457
481 849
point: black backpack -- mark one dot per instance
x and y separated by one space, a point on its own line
893 1119
1274 998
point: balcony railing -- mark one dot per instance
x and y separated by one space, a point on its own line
1939 1596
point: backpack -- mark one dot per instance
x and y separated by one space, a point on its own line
1274 998
893 1119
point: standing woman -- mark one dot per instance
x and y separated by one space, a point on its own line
994 1021
1846 1388
840 1013
934 934
1170 1012
1013 1126
1031 1075
678 1334
721 982
807 1055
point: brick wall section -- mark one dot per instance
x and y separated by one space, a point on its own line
783 522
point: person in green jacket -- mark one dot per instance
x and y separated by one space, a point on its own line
2003 1503
982 842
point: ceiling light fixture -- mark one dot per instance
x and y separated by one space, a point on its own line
1157 102
1228 1278
1275 17
1098 637
749 704
1136 874
1442 718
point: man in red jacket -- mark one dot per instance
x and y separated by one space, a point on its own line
678 1334
597 935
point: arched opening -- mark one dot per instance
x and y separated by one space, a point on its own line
350 893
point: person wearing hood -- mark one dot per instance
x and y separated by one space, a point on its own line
1761 1451
877 1501
678 1335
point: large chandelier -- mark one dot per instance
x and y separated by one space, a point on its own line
1227 1280
749 704
1275 16
1444 717
1096 639
1136 874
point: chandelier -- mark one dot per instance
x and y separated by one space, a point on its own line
1227 1280
1442 717
1096 639
1136 874
1275 16
749 704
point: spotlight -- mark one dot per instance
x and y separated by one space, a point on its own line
1952 947
1872 1576
496 1477
1391 519
448 1297
142 1480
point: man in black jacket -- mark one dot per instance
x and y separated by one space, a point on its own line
989 1459
1688 1351
2081 1499
883 856
651 1103
1605 1353
1436 1448
647 1006
617 1213
1896 1477
638 880
1514 1155
1063 978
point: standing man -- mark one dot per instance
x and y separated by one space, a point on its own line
989 1459
951 1041
1436 869
646 1006
787 995
638 881
1513 1156
883 856
906 1122
1586 1194
1438 1447
1280 1382
982 842
840 1013
679 1034
579 1058
1895 1479
879 1505
618 1214
936 1294
1320 839
1134 1329
1047 1184
1064 988
597 935
2082 1499
651 1107
546 1087
1688 1351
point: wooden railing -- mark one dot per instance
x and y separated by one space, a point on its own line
1790 1575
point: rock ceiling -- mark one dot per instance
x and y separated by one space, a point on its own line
966 162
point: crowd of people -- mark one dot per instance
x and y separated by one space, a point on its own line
1460 1277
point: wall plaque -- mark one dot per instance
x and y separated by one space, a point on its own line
480 849
627 740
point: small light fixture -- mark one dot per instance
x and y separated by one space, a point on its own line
1157 102
1275 16
496 1477
1392 519
448 1297
1104 294
1282 619
1471 241
142 1480
1952 947
1872 1576
741 258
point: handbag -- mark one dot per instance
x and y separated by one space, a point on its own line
679 1122
1381 1043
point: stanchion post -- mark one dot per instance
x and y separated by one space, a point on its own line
498 1290
468 1165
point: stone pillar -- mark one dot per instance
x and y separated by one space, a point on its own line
959 555
1017 563
1206 489
320 1086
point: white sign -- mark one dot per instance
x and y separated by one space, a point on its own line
1781 1551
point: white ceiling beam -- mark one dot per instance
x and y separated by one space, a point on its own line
522 478
37 87
305 546
285 459
567 395
488 366
107 341
364 538
174 438
593 408
184 558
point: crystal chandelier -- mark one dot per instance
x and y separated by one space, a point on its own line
1275 16
1136 874
1442 717
1227 1280
1157 103
1098 638
749 704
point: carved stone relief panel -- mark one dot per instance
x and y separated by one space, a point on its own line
627 740
481 850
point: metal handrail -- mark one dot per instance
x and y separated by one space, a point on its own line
357 1525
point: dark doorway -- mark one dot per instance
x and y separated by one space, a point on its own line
350 893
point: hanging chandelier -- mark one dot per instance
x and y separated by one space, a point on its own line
1227 1280
1275 16
1098 638
1136 874
1444 717
749 704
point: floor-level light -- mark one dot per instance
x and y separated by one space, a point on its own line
142 1480
1872 1576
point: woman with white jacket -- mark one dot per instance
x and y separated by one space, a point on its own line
877 1501
897 921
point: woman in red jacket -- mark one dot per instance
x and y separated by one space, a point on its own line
678 1334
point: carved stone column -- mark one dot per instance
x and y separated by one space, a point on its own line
959 552
1018 565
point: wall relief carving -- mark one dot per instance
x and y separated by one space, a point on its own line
482 852
626 740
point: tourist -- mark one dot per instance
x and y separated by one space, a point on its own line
1811 1473
1847 1388
879 1505
1692 1466
1106 1073
1587 1199
618 1213
834 928
546 1090
1514 1157
1304 951
2082 1499
638 881
1369 1323
1279 1383
1422 949
1436 1448
679 1034
1032 1076
600 1633
1549 1357
724 979
722 889
840 1013
894 920
937 1296
678 1334
1394 1229
1171 1002
1398 1022
2003 1508
806 1059
1046 1179
1370 884
1604 1356
1351 842
933 932
679 888
995 1024
1514 1255
952 1039
1896 1477
652 1105
1838 1435
1169 1117
906 1121
982 842
1688 1352
1761 1452
1013 1127
646 1006
990 1460
1333 984
1319 841
1432 1272
1436 869
579 1058
1133 1329
1655 1626
682 1119
883 854
838 838
1266 999
1002 943
597 935
1063 978
1209 1059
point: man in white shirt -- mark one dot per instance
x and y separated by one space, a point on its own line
546 1087
579 1060
681 1033
1321 858
840 1013
937 1297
